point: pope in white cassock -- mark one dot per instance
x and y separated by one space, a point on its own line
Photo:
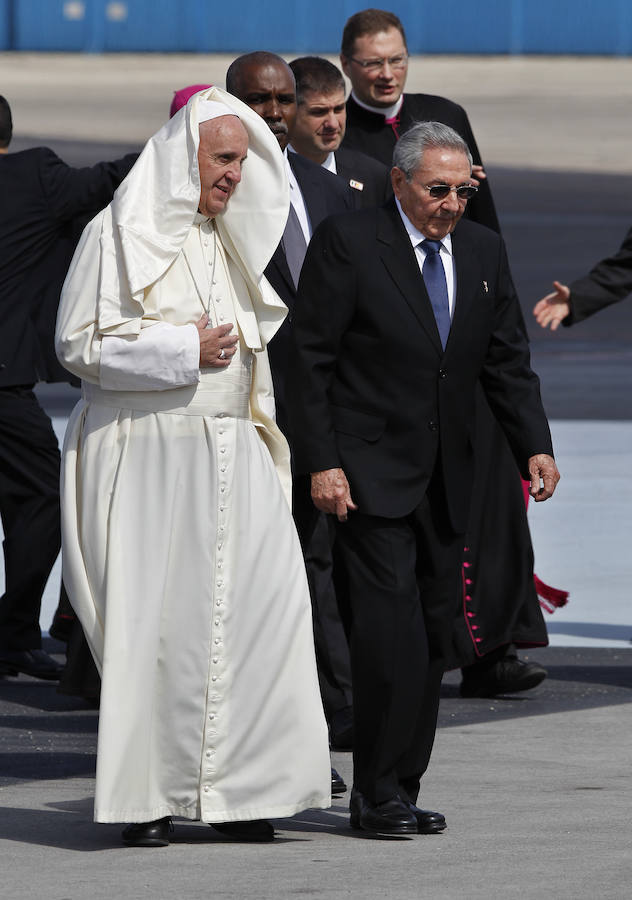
180 555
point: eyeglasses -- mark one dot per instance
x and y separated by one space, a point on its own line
374 65
441 191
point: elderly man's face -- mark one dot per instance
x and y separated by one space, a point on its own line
439 165
270 90
382 83
222 150
320 124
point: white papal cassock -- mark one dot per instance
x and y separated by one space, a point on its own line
180 554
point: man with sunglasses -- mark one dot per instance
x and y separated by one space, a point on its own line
374 57
401 311
501 608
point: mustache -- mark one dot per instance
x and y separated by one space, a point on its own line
277 127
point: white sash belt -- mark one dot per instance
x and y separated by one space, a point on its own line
214 395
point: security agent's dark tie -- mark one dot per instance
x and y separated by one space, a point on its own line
294 245
434 278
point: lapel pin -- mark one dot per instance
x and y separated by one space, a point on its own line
358 185
485 288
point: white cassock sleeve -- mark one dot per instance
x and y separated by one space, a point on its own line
163 356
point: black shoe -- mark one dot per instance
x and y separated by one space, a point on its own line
256 830
35 663
338 785
507 676
391 817
428 822
148 834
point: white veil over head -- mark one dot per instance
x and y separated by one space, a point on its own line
151 214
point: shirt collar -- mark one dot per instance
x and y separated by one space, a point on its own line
389 112
329 163
289 171
416 236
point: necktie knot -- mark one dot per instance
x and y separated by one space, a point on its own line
431 246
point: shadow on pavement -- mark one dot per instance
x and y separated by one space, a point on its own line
44 765
67 827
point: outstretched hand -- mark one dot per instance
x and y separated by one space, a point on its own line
550 310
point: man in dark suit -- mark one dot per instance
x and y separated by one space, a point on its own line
400 312
41 199
608 282
320 127
374 57
500 606
265 82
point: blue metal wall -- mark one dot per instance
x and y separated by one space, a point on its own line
5 25
433 26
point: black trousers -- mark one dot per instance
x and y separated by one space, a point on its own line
317 534
404 589
29 506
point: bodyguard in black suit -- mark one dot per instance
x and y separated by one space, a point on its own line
319 129
266 83
359 169
384 371
323 195
608 282
41 198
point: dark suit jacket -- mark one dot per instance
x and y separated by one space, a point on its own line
370 388
368 133
359 169
608 282
41 200
324 194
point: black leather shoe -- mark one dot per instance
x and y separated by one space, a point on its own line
35 663
338 785
428 822
256 830
148 834
507 676
391 817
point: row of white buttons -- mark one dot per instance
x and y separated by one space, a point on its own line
216 659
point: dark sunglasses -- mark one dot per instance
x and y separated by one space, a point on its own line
441 191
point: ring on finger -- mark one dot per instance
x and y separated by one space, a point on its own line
222 354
